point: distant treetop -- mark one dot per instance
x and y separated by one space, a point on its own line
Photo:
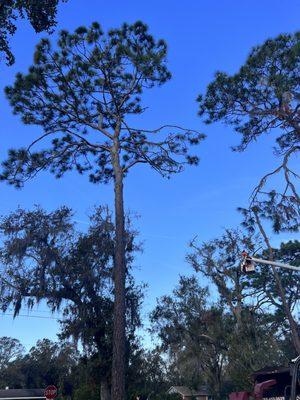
262 96
40 13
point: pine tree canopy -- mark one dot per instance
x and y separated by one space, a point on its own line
83 93
262 96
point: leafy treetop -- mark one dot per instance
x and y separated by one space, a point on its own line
81 93
44 258
262 96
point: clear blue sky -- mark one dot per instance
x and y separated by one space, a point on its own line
203 37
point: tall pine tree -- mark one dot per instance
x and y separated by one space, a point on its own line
83 95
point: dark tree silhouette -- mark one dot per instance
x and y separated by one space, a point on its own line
43 257
41 15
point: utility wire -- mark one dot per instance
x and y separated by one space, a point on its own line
29 316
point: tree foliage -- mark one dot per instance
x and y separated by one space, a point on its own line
44 258
84 94
50 362
81 94
203 346
219 260
74 373
147 376
192 334
10 350
44 364
261 98
41 15
288 253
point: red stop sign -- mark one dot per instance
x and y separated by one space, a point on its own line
50 392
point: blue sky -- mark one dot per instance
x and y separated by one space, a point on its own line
203 37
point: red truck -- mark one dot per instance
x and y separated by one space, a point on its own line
277 383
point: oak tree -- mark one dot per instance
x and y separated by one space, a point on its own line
199 341
192 335
219 261
44 258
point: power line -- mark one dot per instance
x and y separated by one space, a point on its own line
30 310
41 311
29 316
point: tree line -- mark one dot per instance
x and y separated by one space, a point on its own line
199 341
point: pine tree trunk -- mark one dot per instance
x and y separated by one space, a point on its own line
104 390
118 362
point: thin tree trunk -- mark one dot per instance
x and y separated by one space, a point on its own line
288 313
118 362
104 390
